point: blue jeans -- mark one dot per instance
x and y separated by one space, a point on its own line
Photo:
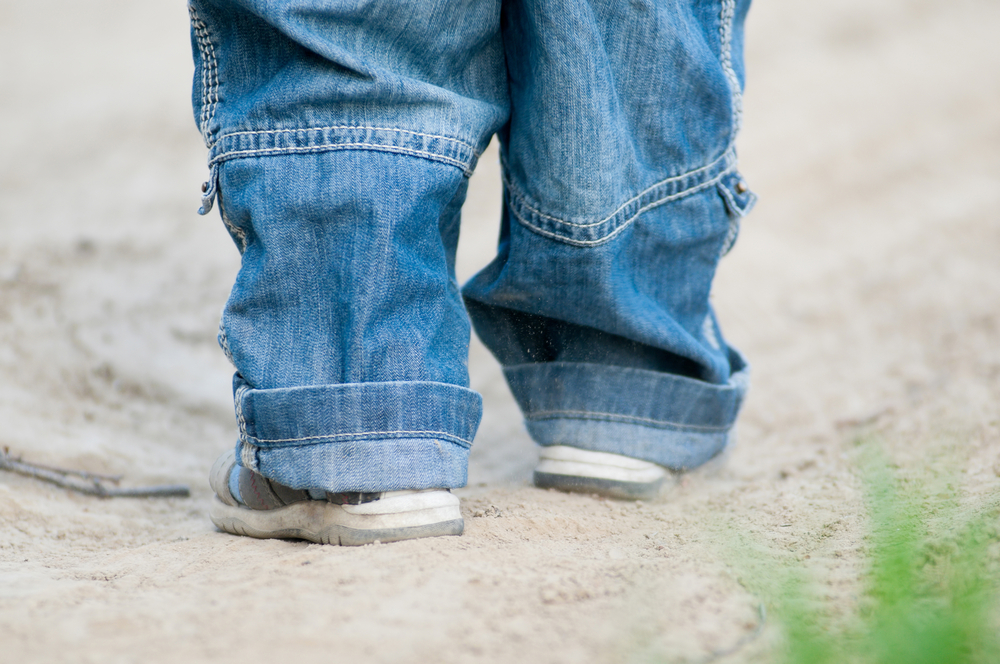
341 137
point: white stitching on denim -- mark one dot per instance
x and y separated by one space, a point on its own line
365 127
628 222
344 146
442 434
708 331
726 18
248 451
592 415
727 155
248 456
238 232
241 422
209 74
197 26
224 342
731 235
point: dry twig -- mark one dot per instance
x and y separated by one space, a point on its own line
93 484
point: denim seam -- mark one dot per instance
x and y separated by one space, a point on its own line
467 153
241 421
621 226
224 343
399 131
614 417
726 18
332 438
248 457
591 366
236 231
243 154
675 178
209 74
735 213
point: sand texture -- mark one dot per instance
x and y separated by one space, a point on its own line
865 289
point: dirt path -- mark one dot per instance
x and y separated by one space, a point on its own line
865 289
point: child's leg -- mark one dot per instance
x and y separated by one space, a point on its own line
345 325
621 196
341 139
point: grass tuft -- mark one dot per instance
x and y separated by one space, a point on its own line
930 590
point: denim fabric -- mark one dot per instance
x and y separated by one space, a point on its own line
341 136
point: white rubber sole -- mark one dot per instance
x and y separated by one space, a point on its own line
613 475
398 515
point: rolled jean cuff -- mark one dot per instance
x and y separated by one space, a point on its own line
358 436
671 420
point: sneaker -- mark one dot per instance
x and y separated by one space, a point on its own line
612 475
250 504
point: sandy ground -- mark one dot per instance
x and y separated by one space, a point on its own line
865 289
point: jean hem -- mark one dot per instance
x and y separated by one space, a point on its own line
678 422
362 465
677 450
383 436
315 414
